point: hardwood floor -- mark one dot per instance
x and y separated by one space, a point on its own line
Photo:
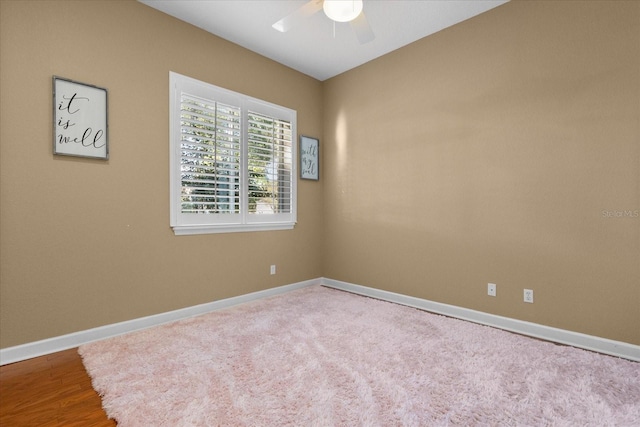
47 391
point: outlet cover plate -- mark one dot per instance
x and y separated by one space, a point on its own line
528 296
491 289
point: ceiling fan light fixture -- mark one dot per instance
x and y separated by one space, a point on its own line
342 10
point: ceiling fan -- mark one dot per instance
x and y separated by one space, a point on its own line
337 10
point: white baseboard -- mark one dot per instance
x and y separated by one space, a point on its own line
65 342
561 336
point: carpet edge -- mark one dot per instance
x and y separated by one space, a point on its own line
64 342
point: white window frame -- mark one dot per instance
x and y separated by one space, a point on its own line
187 224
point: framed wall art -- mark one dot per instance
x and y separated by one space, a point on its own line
80 126
309 158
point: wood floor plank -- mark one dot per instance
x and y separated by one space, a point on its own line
51 391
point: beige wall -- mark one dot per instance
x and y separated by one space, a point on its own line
86 243
488 153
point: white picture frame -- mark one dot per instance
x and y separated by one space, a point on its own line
80 123
309 158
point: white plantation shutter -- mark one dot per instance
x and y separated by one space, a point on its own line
210 157
232 161
270 164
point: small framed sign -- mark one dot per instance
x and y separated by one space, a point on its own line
309 163
80 126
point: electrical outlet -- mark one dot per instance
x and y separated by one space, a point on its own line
491 289
273 269
528 296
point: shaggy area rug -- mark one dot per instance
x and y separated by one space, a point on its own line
323 357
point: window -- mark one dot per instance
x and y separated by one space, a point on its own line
232 160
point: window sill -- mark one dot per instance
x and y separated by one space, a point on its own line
186 230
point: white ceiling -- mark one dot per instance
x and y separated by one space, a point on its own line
311 47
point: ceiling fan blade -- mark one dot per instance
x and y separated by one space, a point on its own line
295 18
363 30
